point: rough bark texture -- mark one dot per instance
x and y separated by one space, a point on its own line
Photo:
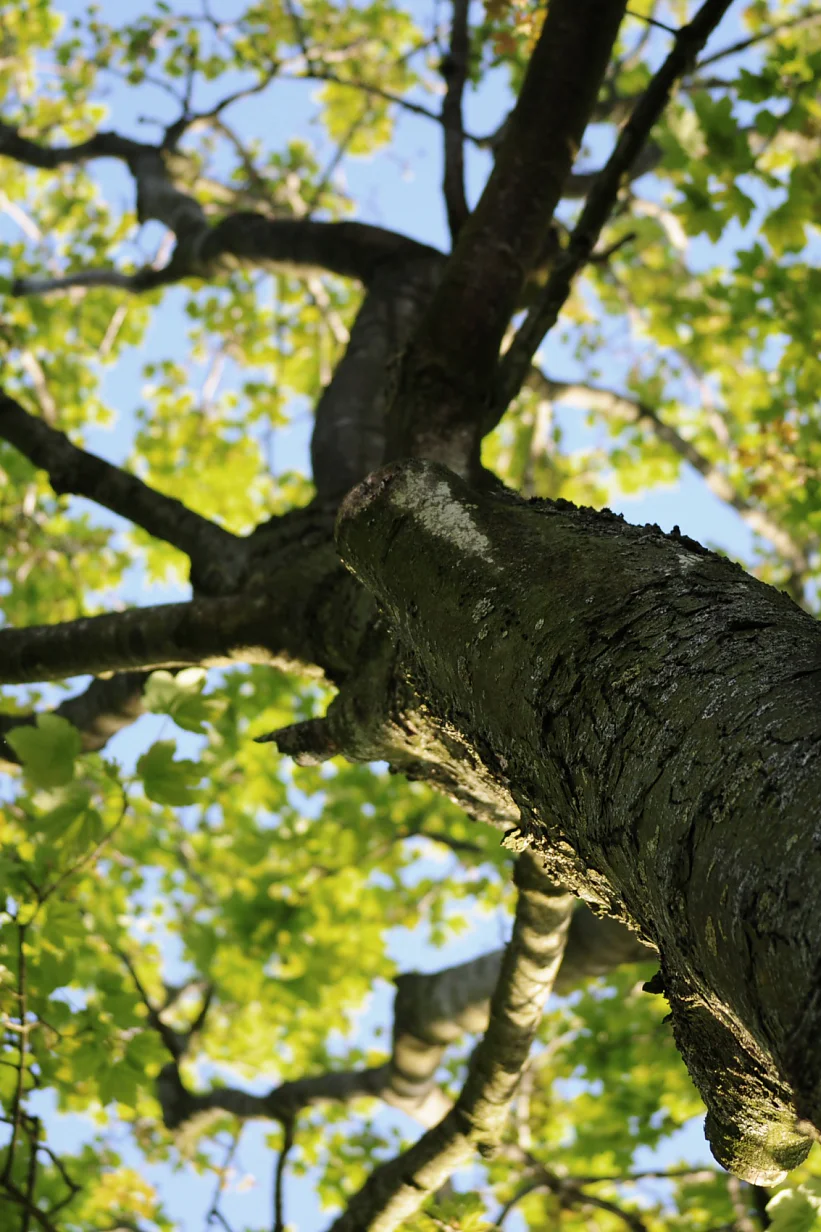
655 714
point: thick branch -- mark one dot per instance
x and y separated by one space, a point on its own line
209 632
300 609
448 369
344 1086
348 440
211 550
297 246
352 249
599 205
397 1189
430 1012
654 712
101 145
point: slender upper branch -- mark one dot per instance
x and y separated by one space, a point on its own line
211 549
800 21
396 1189
571 1195
448 369
599 205
609 401
455 71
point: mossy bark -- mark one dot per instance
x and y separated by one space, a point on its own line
655 713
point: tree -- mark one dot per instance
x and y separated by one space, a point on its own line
635 715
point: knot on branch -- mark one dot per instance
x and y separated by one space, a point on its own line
362 719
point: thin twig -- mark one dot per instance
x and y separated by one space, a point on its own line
89 856
214 1212
174 1042
798 22
17 1098
279 1175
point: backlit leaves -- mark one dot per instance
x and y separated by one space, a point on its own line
207 862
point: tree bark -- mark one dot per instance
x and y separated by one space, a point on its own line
655 714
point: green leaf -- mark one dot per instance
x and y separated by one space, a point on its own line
71 801
796 1210
165 780
47 751
181 697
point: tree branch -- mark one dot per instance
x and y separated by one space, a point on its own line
279 1177
211 632
348 439
570 1195
396 1189
630 629
180 1105
449 366
217 556
101 145
514 367
455 71
98 713
351 249
430 1012
297 246
799 22
609 402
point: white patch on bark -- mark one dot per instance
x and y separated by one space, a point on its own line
433 506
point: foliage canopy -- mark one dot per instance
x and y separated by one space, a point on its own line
187 902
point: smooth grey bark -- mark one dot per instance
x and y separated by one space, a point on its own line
433 1010
655 714
395 1190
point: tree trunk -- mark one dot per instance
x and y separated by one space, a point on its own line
655 713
